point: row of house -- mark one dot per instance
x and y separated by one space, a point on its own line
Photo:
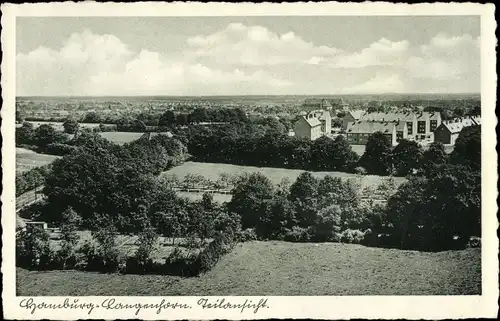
359 125
447 133
419 126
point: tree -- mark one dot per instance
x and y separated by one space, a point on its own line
69 237
475 111
406 156
25 134
335 191
327 223
459 112
108 251
19 117
250 199
441 212
71 126
46 134
182 119
467 149
198 115
377 156
453 205
33 248
322 152
405 213
343 155
434 155
304 196
148 242
92 117
167 119
138 126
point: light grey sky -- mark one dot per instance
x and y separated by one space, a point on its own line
247 55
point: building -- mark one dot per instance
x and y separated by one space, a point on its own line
409 118
449 130
340 104
316 103
351 117
325 118
420 126
427 123
309 128
359 131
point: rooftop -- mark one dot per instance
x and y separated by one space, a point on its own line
370 127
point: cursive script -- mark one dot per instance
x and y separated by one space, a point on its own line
226 304
107 304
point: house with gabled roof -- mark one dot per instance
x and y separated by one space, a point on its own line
324 117
449 130
308 127
351 116
358 132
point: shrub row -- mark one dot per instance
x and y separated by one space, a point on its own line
34 252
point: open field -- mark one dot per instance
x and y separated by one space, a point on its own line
27 159
121 138
281 268
57 125
212 171
358 149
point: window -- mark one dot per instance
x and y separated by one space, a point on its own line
410 127
421 127
433 125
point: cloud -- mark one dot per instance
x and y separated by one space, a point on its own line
379 84
257 46
90 64
241 59
447 58
381 53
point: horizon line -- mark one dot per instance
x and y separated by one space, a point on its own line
247 95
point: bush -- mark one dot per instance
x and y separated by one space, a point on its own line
148 240
474 242
221 245
59 149
104 255
247 235
298 234
33 248
370 238
352 236
360 170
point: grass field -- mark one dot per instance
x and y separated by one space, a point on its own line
212 171
27 159
121 138
358 149
57 125
280 268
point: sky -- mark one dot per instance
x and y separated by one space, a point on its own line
200 56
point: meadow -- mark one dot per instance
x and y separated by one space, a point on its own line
211 171
27 159
58 125
282 268
121 138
